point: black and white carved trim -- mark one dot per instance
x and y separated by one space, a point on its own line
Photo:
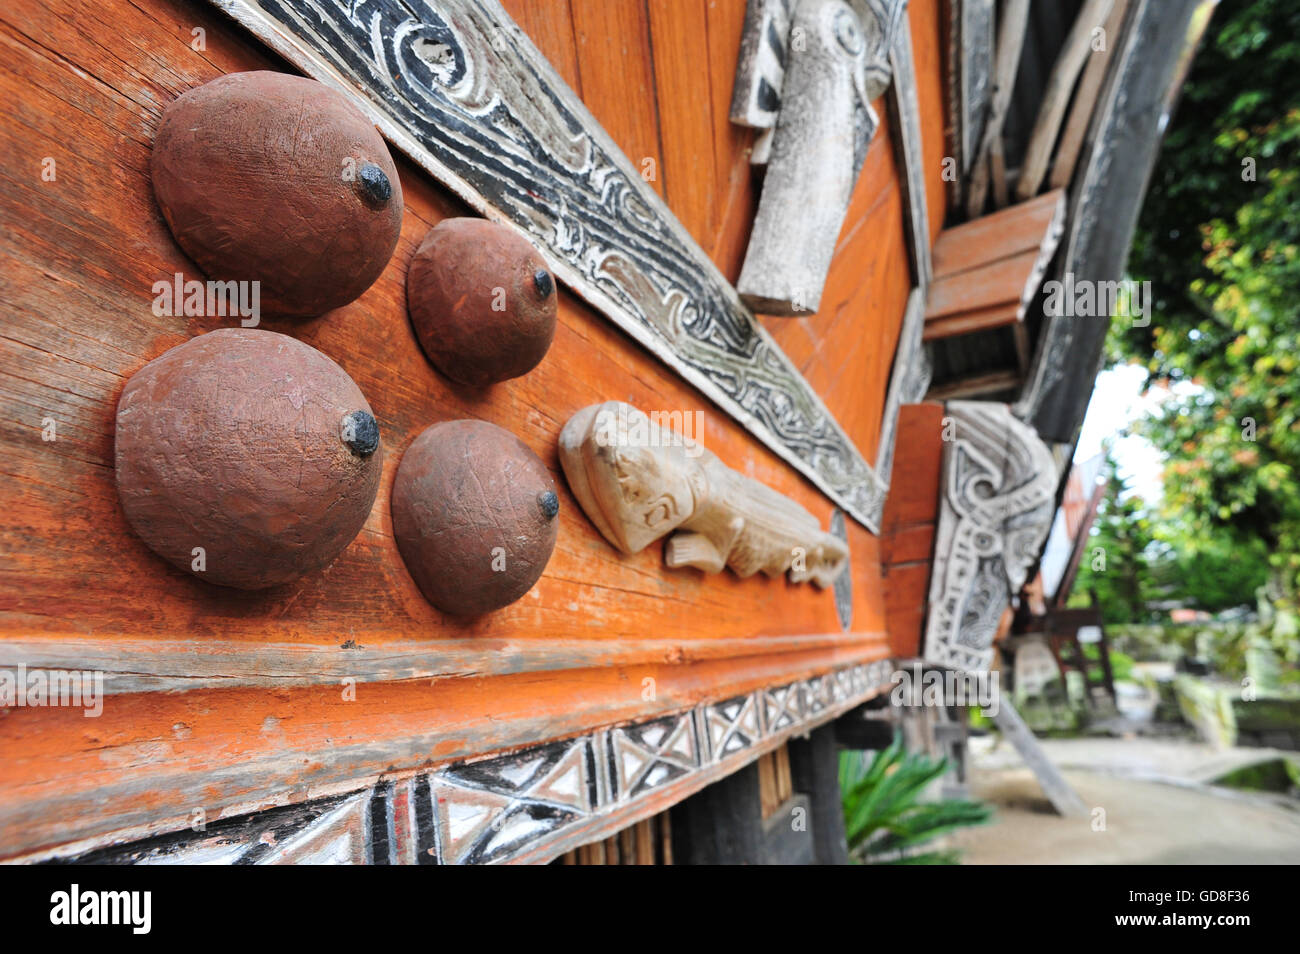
997 498
458 87
526 806
760 67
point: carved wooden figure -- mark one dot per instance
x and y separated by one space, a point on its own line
638 482
815 85
277 179
246 457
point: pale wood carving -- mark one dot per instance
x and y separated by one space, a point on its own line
814 86
639 481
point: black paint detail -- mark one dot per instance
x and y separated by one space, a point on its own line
768 98
374 185
544 283
361 433
425 853
381 848
550 504
276 825
776 42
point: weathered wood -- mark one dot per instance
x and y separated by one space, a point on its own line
1085 100
1154 52
1011 39
822 131
988 271
976 385
997 500
1058 791
814 772
1056 96
970 68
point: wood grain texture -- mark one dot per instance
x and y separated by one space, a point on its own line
253 712
928 43
907 542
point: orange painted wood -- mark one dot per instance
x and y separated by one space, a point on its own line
911 514
616 67
929 41
680 48
550 27
78 258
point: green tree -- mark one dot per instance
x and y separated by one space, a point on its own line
1118 561
1218 238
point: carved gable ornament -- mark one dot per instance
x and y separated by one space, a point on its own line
997 498
808 72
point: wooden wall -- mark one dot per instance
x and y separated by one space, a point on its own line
228 701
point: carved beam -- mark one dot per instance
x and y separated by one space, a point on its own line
836 62
997 498
639 482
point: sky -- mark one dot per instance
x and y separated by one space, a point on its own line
1117 401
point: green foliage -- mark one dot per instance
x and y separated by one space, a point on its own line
1219 238
1137 557
885 821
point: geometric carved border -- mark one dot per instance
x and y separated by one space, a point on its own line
527 806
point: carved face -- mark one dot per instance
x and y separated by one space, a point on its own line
644 491
633 479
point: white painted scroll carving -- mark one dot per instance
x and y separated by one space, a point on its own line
998 495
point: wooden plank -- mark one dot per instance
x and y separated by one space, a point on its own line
1011 39
996 283
1056 96
814 767
928 42
645 842
679 42
616 70
975 386
968 322
1058 791
918 459
1085 100
999 235
549 24
1156 49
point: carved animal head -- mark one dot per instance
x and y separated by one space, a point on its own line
633 479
